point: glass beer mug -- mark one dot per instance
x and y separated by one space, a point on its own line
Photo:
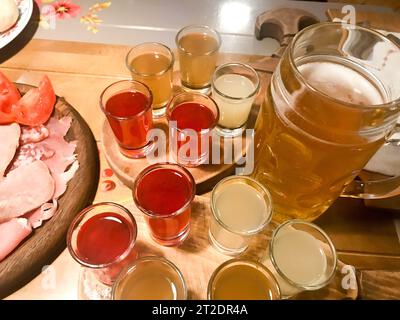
333 101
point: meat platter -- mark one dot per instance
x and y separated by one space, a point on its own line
45 243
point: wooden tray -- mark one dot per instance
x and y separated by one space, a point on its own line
47 242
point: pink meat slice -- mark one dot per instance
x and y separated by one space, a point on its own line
63 150
12 232
24 189
33 134
57 153
9 142
44 212
61 179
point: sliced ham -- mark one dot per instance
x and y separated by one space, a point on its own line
24 189
61 179
45 212
33 134
57 153
12 233
63 150
9 142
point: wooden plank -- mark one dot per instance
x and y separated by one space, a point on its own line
370 261
92 59
355 228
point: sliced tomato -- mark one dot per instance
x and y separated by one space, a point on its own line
9 97
36 106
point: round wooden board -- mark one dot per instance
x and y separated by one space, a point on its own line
206 175
47 242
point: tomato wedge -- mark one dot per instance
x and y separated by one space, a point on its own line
9 97
36 106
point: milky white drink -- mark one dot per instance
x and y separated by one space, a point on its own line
234 103
300 257
241 210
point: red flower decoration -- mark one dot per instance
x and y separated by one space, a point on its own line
65 9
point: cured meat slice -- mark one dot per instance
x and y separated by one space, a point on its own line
45 212
33 134
24 189
12 233
57 153
63 150
61 179
9 141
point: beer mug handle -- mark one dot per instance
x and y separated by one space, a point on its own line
378 188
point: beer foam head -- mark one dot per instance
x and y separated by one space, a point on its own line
342 83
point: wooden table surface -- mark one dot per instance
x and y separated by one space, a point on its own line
365 238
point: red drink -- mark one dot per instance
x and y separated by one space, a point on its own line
127 105
195 115
164 192
102 237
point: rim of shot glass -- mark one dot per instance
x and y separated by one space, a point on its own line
222 224
237 64
130 268
171 105
171 56
216 34
343 26
280 272
157 166
132 82
78 219
259 266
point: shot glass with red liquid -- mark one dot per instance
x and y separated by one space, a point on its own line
164 193
102 238
191 118
127 105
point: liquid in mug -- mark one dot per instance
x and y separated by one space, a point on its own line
301 259
154 70
304 164
233 113
241 208
130 132
197 59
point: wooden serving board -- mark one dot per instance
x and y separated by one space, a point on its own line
207 175
46 242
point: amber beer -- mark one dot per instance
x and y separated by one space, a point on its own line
323 118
